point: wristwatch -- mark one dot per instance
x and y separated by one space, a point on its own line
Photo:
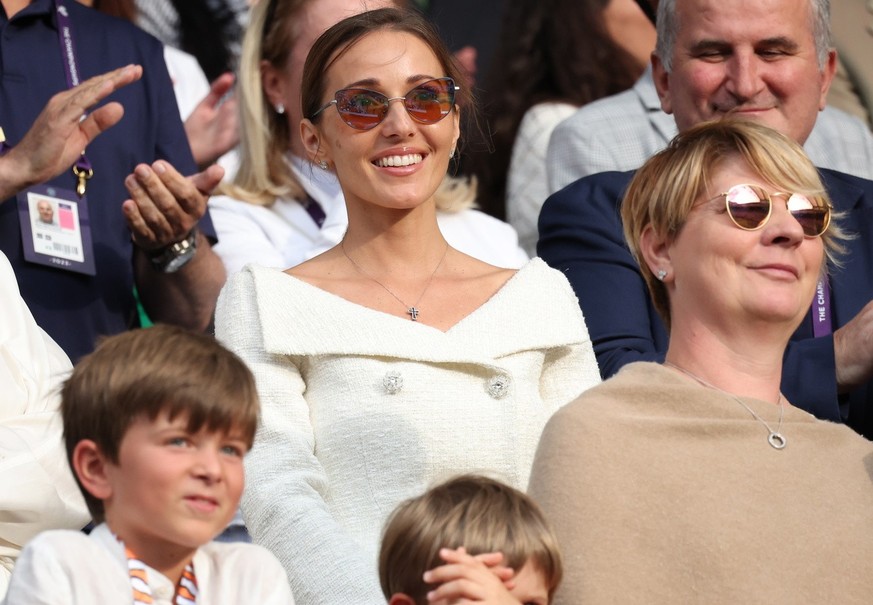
175 256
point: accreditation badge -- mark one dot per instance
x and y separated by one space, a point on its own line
56 229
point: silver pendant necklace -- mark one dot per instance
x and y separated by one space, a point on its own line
774 437
413 310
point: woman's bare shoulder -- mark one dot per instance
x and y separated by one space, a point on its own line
475 281
320 270
470 268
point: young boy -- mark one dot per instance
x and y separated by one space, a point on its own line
156 424
470 538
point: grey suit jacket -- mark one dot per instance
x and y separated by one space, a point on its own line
622 131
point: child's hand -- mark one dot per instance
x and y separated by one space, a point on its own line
465 579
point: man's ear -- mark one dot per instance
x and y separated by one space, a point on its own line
90 466
655 252
401 599
662 83
827 77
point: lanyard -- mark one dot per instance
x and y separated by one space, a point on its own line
82 169
65 38
822 322
314 209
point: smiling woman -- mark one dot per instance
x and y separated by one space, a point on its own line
396 60
280 208
392 360
700 468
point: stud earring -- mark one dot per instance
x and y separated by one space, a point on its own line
452 154
280 108
661 274
323 165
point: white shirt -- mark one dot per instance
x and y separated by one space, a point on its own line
189 81
69 568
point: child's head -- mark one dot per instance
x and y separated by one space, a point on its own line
169 389
475 512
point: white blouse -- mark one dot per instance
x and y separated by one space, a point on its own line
362 410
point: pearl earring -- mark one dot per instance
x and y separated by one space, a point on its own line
661 274
280 108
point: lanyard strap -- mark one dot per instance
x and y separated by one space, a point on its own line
314 209
65 38
71 68
822 320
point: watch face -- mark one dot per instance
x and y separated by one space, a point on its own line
176 256
177 262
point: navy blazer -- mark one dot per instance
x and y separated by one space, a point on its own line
76 309
581 235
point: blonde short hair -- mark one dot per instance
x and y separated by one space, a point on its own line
478 513
663 192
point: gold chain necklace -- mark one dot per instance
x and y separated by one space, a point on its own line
413 310
774 438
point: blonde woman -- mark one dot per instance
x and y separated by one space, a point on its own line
696 480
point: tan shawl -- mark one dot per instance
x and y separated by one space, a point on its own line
663 491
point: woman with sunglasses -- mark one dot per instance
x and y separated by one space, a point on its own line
279 209
392 360
696 480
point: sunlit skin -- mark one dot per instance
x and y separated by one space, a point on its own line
393 234
530 586
753 57
724 275
735 296
391 63
171 491
630 28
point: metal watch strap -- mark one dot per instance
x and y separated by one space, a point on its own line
175 256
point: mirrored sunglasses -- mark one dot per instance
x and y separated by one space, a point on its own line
750 207
363 109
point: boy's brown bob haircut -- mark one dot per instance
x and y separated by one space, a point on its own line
478 513
146 372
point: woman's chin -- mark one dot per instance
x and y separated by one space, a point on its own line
787 313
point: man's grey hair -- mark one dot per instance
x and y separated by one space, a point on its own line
668 28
